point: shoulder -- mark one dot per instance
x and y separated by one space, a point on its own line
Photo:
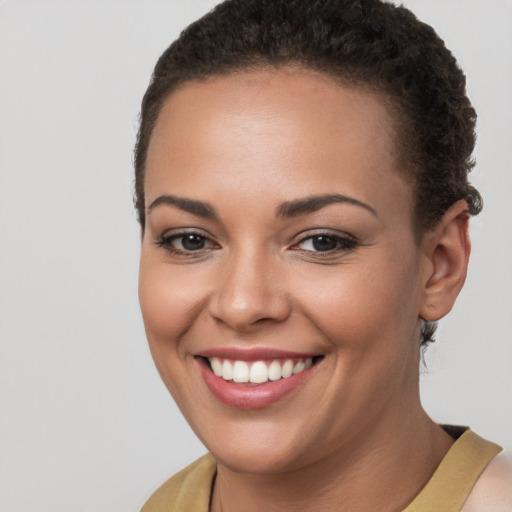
187 490
492 491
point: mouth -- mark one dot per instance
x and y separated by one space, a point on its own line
258 372
254 379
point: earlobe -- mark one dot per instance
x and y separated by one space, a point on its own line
447 250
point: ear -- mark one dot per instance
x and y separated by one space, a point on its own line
447 249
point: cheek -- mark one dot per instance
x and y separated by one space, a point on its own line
169 305
168 300
359 306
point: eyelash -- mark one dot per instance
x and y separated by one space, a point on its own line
166 241
344 244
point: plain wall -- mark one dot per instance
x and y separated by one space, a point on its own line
85 423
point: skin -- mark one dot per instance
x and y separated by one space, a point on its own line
245 144
493 490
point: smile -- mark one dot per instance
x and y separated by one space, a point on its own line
258 372
252 379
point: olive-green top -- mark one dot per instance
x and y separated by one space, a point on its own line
446 491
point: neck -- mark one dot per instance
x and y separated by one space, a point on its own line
378 469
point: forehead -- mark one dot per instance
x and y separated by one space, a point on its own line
290 129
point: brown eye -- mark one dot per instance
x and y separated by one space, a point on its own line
326 243
191 242
186 243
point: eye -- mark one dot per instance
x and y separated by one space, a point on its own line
186 243
326 243
189 242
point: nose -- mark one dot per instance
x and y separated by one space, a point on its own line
249 292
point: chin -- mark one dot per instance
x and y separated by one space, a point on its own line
255 446
256 459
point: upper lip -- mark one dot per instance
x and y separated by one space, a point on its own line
253 353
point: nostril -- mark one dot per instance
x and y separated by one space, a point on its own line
264 320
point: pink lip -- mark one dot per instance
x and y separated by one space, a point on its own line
245 396
253 354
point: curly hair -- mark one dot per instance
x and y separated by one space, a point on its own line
371 44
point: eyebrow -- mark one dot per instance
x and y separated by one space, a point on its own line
313 203
288 209
200 208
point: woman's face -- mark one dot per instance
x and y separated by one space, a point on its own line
279 238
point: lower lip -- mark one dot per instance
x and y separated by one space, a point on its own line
245 396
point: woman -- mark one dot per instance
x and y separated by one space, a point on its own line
301 183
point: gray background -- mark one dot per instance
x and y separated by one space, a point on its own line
85 424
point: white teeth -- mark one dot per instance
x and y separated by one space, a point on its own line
227 370
287 370
240 371
274 370
216 366
259 371
299 367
